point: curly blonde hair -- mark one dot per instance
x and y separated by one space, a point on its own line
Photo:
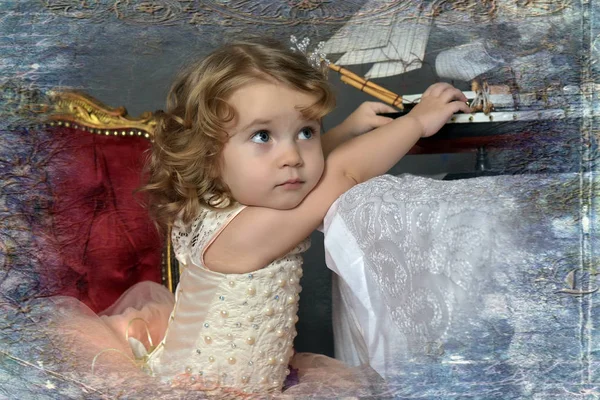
183 168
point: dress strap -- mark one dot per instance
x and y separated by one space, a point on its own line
189 242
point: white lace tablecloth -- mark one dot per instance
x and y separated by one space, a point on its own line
457 287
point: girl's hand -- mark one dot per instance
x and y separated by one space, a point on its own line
437 105
365 118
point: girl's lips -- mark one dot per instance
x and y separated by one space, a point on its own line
291 181
291 184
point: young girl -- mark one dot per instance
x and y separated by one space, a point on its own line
240 172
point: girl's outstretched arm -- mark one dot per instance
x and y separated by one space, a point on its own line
257 236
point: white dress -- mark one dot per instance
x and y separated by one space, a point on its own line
233 329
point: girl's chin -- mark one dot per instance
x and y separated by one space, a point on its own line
282 204
277 200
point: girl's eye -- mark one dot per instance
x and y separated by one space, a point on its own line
306 133
261 137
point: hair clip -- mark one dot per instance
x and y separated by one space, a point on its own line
317 58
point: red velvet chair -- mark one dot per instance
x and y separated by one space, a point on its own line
99 239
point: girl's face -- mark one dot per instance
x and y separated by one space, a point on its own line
273 157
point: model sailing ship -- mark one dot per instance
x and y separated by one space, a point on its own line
395 44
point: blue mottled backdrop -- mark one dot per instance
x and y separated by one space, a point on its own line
126 52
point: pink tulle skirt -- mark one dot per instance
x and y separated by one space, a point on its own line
95 351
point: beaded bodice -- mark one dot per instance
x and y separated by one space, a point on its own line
235 330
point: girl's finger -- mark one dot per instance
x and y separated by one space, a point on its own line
459 105
380 121
453 94
379 108
437 88
426 92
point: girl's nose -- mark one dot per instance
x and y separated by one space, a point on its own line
291 157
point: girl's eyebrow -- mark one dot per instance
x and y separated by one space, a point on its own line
258 121
263 121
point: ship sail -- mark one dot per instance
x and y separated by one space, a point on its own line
395 41
465 62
